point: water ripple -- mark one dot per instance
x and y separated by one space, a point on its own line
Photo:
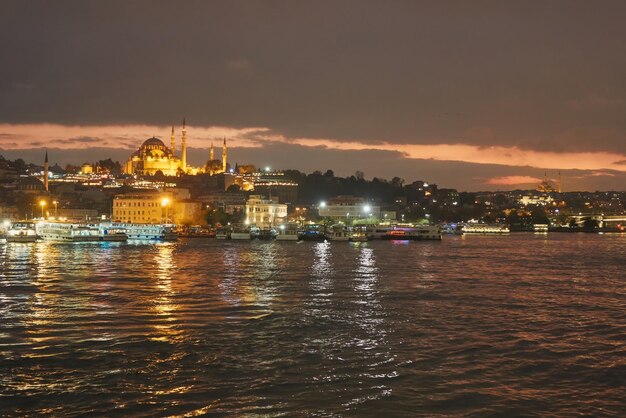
471 326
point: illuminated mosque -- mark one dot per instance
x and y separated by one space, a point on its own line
154 156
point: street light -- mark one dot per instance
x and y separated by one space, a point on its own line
322 204
56 209
165 202
42 203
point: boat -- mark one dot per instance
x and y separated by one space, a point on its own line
240 232
222 232
74 232
313 232
144 232
339 232
414 233
358 234
376 231
23 231
480 228
288 232
265 234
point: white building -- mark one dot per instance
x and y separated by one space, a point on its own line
345 208
264 213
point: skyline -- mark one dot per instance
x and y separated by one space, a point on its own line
486 96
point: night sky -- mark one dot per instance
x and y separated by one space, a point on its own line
476 95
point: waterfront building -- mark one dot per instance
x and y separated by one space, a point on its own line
140 208
264 213
172 206
346 208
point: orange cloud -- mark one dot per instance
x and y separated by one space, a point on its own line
130 136
126 136
513 180
512 156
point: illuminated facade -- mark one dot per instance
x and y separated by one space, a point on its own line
345 208
155 208
153 156
142 208
264 213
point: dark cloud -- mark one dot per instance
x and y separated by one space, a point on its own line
539 75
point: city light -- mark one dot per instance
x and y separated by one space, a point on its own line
322 204
165 202
42 203
367 208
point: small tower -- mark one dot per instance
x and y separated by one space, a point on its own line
184 149
45 172
560 185
224 157
211 154
173 142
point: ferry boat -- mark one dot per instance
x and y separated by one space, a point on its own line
288 232
376 231
240 232
222 233
72 232
144 232
479 228
358 234
23 231
313 232
265 234
414 233
339 232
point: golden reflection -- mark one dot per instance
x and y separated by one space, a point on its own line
239 287
321 278
163 305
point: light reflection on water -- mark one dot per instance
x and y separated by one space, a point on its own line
522 324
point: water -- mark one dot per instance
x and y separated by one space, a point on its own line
487 325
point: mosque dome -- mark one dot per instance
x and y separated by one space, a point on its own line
153 147
153 142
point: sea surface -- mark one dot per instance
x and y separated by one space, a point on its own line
519 325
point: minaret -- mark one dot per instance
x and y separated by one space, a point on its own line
45 172
224 157
173 142
211 154
184 149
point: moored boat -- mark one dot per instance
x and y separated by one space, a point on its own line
288 232
222 232
414 233
23 231
143 232
339 232
480 228
69 232
358 234
240 232
313 232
